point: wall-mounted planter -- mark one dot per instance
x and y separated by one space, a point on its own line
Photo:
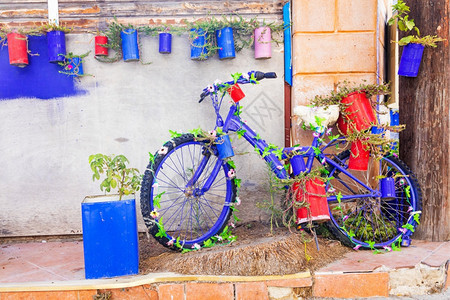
236 93
410 60
165 43
263 45
225 43
110 237
359 113
56 44
359 156
101 50
316 197
198 47
17 49
75 66
224 146
130 46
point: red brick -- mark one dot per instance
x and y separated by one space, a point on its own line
45 295
209 291
251 291
351 285
86 295
132 293
171 292
298 282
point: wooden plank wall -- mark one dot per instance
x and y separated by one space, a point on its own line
86 15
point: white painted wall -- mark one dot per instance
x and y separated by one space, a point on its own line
128 109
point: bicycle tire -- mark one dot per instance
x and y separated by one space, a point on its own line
180 211
383 220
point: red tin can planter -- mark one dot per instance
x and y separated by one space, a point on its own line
101 50
316 197
359 113
17 49
359 156
236 93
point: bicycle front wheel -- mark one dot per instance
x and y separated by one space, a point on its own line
368 221
177 210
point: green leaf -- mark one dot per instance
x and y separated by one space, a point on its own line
257 137
241 133
231 164
174 134
237 181
236 76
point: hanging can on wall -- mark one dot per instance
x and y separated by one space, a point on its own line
165 43
17 49
359 156
410 60
100 45
199 39
225 43
56 45
359 114
75 66
263 45
130 46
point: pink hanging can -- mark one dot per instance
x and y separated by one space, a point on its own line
263 45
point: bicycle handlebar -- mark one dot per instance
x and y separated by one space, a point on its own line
258 76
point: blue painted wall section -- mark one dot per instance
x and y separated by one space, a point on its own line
40 79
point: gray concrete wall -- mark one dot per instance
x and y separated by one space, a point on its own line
128 109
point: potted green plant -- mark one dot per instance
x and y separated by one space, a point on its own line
414 44
110 236
56 41
73 64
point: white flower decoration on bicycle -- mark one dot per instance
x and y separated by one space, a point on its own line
163 150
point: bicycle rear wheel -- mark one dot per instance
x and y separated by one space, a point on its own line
373 222
174 208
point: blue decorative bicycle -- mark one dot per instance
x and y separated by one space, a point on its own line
189 187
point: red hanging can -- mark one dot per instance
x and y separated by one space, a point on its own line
101 50
359 156
316 197
236 93
359 113
17 49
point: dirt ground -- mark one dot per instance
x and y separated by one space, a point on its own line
256 252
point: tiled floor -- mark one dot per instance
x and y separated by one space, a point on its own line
63 261
44 261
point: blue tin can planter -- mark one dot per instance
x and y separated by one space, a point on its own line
110 237
75 66
387 187
225 43
56 45
410 60
198 47
224 147
130 47
165 43
297 164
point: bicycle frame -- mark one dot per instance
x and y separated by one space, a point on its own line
233 123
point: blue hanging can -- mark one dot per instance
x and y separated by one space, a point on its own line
387 187
56 45
410 61
165 43
224 147
76 66
198 47
297 164
225 43
130 46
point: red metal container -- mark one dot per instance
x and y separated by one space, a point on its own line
236 93
359 156
17 49
359 114
99 49
316 196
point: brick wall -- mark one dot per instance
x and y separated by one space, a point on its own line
335 40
